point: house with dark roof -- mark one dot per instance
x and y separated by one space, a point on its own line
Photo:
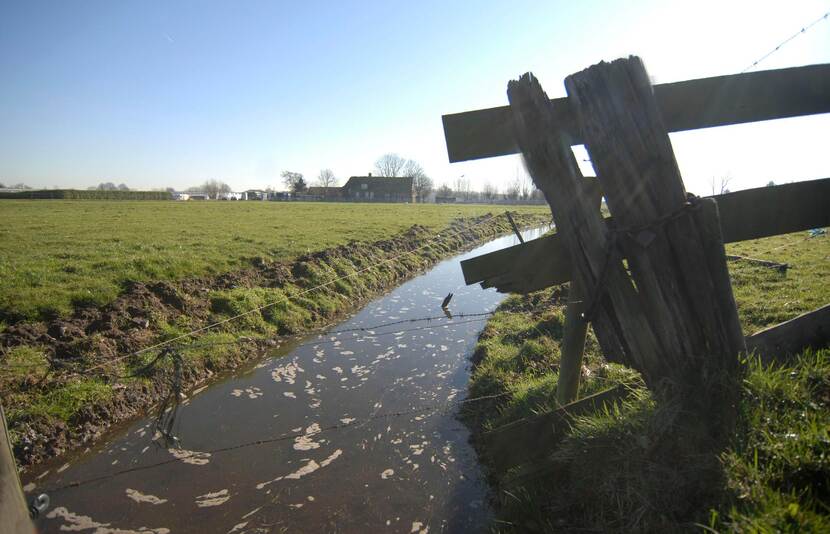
379 189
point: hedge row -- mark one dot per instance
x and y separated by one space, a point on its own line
89 194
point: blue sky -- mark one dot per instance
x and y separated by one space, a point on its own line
158 94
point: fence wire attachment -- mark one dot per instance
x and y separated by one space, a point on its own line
643 235
169 407
38 505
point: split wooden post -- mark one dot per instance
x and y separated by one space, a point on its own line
14 516
673 318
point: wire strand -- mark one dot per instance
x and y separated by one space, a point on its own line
785 41
267 441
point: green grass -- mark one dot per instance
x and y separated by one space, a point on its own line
56 254
612 474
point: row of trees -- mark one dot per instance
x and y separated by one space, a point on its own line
295 182
520 188
109 186
393 165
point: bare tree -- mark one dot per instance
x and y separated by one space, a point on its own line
294 181
212 188
420 181
489 192
390 165
444 191
463 188
514 189
720 187
326 178
123 187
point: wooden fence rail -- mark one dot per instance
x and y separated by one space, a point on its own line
686 105
749 214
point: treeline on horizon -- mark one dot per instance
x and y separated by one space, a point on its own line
87 194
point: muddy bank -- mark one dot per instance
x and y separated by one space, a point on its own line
60 392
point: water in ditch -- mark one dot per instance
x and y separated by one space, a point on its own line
363 452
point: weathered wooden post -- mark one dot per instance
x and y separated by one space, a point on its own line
673 318
14 516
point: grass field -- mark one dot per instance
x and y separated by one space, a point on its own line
774 475
54 254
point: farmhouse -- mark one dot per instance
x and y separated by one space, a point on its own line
379 189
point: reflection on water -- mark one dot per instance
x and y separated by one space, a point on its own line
358 451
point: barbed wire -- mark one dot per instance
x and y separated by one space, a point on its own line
785 41
266 441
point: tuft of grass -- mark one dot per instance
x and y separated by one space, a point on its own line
779 465
63 403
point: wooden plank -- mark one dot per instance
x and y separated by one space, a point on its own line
748 214
686 105
14 515
545 254
780 267
530 438
777 343
774 210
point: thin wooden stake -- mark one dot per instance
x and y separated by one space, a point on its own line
573 346
576 325
515 228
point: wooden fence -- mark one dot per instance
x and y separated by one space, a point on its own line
652 278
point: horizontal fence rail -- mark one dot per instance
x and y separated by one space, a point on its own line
744 215
686 105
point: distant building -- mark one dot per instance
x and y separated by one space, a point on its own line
330 193
379 189
254 194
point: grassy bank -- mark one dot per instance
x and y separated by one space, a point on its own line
609 472
65 381
58 254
